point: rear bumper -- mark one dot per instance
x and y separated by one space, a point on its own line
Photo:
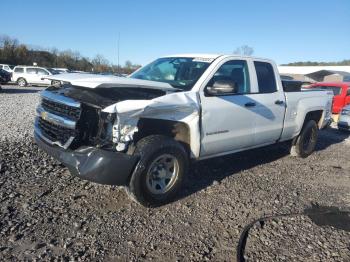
93 164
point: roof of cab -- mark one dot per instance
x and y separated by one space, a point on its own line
215 56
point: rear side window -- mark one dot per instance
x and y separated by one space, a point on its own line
266 77
31 70
42 72
19 70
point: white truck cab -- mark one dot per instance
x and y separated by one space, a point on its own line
142 132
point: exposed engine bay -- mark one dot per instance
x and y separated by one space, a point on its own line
93 126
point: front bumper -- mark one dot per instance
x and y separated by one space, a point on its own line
93 164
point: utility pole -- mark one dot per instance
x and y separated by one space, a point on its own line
118 47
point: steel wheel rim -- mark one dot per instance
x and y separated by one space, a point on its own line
162 174
21 82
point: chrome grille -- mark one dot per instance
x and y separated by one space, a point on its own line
70 112
56 132
57 119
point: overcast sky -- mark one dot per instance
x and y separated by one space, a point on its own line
286 31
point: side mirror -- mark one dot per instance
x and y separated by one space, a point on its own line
222 87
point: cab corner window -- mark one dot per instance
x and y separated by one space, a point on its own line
266 77
236 72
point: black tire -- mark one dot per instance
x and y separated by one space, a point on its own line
149 149
21 82
304 144
55 83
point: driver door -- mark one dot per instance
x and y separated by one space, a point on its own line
228 119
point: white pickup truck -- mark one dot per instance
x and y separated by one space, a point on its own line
142 131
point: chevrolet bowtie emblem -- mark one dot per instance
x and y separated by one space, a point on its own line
44 115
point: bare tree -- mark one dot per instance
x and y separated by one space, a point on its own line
11 52
244 50
128 64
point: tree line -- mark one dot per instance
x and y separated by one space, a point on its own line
14 53
345 62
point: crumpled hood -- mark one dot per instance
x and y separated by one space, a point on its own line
103 81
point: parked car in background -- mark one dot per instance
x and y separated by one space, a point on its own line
344 119
61 70
341 91
53 71
8 68
4 76
31 75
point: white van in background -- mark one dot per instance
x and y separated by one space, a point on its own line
30 75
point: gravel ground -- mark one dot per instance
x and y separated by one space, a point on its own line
46 213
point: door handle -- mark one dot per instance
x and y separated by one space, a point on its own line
249 104
279 102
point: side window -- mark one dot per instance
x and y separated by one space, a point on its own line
266 77
31 70
19 70
235 71
348 91
42 72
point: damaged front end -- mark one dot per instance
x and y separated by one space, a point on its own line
72 127
91 130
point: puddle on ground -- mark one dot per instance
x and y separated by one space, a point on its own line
329 216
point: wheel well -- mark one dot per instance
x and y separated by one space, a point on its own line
175 129
314 115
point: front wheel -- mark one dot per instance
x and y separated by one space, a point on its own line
22 82
160 172
304 144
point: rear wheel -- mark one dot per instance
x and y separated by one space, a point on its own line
22 82
304 144
55 83
160 172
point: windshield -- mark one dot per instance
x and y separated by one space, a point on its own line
179 72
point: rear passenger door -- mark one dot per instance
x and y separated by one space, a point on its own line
270 104
31 75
